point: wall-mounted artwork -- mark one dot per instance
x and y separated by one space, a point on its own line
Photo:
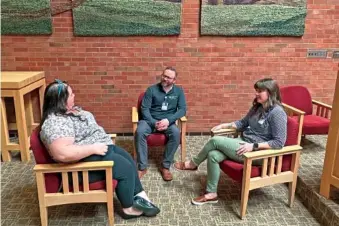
26 17
253 17
127 17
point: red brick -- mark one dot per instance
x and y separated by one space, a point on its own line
217 73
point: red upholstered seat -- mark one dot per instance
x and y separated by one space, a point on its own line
235 170
314 124
53 180
300 98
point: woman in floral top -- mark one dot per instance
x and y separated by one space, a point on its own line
71 134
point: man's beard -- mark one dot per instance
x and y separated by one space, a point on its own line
165 84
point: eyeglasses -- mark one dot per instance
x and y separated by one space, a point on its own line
167 77
60 85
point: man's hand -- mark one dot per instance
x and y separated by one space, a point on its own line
162 124
244 147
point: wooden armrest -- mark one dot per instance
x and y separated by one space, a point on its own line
113 137
293 109
65 167
135 115
183 119
272 152
224 131
322 104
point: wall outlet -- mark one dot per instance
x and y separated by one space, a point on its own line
316 53
335 54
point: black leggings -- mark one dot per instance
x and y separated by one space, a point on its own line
124 171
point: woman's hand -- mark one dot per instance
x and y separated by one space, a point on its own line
100 149
221 126
244 147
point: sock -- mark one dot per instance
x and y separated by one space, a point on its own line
143 194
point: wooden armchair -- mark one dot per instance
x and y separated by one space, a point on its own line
279 166
300 98
53 182
159 139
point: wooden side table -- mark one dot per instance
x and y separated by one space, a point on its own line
19 85
330 176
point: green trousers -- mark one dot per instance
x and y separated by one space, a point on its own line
216 150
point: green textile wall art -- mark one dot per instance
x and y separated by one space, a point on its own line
127 18
26 17
253 17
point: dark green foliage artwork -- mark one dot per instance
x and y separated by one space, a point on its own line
253 17
26 17
127 17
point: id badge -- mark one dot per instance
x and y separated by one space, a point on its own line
164 106
261 121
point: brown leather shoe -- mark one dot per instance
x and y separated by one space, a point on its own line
201 200
166 174
141 173
181 166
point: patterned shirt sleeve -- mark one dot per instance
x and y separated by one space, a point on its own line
243 123
278 120
56 127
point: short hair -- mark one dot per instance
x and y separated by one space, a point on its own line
172 69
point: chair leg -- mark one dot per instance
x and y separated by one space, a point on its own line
292 185
244 199
110 210
245 189
134 153
43 216
5 153
183 151
291 190
183 141
134 148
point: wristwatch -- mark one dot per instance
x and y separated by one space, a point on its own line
255 146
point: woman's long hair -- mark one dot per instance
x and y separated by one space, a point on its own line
273 90
55 100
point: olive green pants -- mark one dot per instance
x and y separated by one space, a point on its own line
216 150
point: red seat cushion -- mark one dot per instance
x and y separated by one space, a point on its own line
235 170
314 124
156 139
53 180
96 185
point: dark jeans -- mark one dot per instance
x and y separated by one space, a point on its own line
124 171
143 130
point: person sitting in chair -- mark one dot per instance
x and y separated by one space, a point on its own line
72 134
163 104
264 127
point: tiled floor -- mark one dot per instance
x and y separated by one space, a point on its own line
266 206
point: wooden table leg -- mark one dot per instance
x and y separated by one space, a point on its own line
29 112
41 96
6 156
21 125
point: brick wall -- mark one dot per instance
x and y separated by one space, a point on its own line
217 73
